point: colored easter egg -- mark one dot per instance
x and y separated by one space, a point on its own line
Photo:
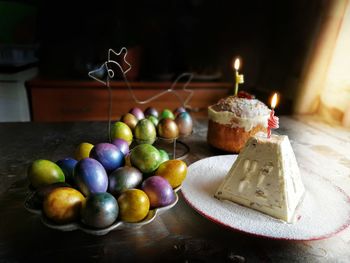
108 155
150 111
100 210
164 156
174 171
145 132
90 176
83 150
119 130
137 112
184 123
130 120
63 205
44 172
179 110
122 179
153 119
166 113
43 191
122 145
145 157
159 191
67 165
127 160
168 129
133 205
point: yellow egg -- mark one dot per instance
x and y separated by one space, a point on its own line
174 171
120 130
63 205
83 150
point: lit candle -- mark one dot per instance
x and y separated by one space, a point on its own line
273 121
239 79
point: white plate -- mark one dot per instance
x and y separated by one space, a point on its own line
324 211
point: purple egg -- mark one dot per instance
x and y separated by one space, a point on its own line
179 110
184 123
67 165
150 111
108 155
137 112
122 179
159 191
122 145
90 176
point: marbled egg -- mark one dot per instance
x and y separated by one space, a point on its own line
137 112
90 176
67 165
119 130
122 145
150 111
179 110
159 191
108 155
100 210
129 120
124 178
184 123
168 129
153 119
145 132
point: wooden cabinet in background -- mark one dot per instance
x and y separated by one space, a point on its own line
53 101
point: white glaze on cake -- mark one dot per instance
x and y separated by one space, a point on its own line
265 177
239 112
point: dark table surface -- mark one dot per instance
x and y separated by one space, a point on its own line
178 235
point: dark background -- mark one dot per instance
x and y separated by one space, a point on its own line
165 38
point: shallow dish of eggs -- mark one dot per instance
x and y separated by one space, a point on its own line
107 186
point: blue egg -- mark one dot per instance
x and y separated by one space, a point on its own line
67 166
90 177
179 110
100 210
108 155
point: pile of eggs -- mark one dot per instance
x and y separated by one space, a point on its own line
105 183
145 127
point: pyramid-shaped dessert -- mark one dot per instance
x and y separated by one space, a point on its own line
265 177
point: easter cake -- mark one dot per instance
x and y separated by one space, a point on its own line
234 119
265 177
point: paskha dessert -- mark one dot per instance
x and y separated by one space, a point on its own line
265 177
233 120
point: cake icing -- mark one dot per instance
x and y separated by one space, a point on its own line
239 112
265 177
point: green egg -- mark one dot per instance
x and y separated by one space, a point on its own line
153 119
145 157
166 113
164 156
44 172
145 132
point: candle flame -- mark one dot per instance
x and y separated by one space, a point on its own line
237 64
274 100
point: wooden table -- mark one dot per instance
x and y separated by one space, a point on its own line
180 234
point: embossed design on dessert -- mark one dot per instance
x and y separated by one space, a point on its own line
265 177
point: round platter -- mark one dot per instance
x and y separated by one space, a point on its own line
324 211
28 204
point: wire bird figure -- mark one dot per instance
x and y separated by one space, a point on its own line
112 65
